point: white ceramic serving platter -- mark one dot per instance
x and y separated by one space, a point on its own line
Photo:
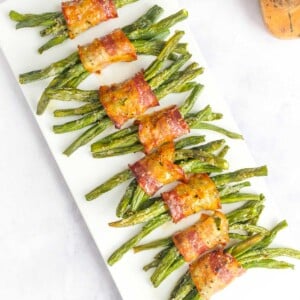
82 173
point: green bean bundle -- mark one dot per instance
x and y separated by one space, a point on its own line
75 18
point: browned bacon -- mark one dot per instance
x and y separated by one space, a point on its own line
157 169
127 100
80 15
160 127
199 193
114 47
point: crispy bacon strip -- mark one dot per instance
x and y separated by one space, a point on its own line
114 47
157 169
161 127
128 99
80 15
209 233
213 272
189 198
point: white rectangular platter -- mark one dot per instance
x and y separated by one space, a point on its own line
82 173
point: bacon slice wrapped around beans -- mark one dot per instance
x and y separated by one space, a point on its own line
80 15
161 127
157 169
128 99
113 47
199 193
208 233
213 272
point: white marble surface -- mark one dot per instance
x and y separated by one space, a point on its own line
46 251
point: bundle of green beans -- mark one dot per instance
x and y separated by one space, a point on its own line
156 213
69 72
54 24
169 259
191 160
253 252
